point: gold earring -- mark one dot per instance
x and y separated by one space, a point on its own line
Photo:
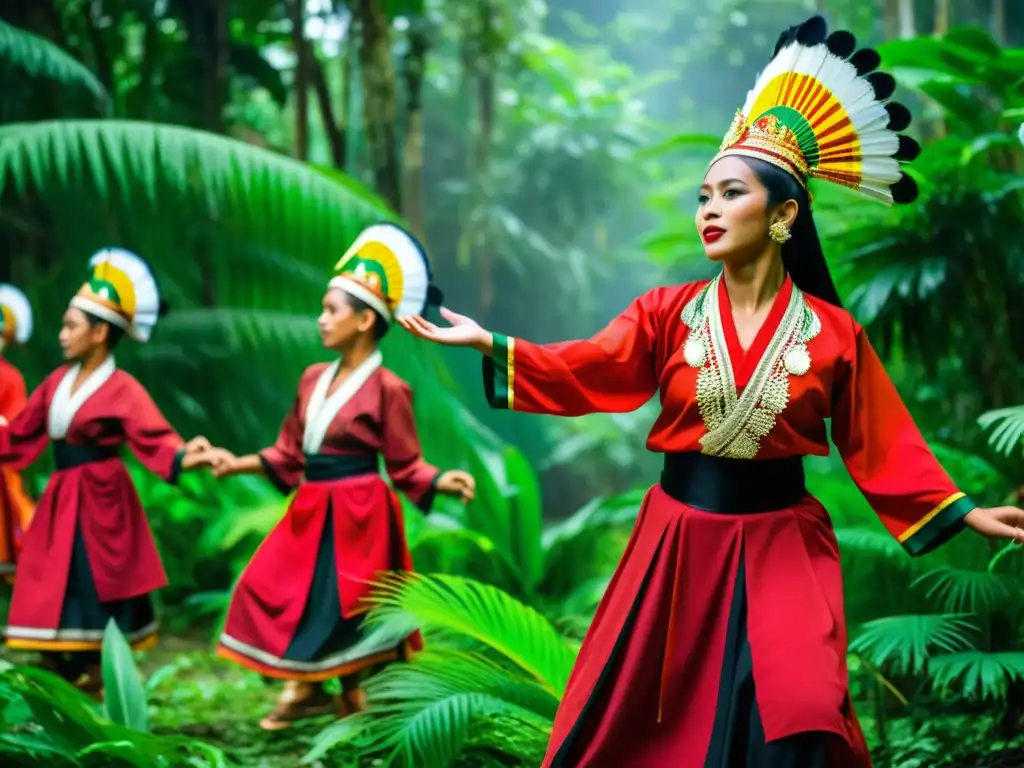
779 232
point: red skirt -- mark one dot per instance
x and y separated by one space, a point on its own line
89 537
15 515
297 610
659 680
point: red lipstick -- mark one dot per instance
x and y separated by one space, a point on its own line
712 234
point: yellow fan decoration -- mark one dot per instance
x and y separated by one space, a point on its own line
388 269
121 290
15 316
820 111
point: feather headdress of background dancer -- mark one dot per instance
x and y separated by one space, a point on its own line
819 110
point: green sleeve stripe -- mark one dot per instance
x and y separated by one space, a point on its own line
941 526
499 372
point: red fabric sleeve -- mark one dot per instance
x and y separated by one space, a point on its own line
614 371
284 461
13 394
408 471
887 456
25 435
153 441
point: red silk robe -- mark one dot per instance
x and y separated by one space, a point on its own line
98 498
368 528
15 506
810 361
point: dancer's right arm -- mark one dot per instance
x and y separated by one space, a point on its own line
614 371
23 437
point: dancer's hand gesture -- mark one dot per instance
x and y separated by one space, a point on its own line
457 483
463 331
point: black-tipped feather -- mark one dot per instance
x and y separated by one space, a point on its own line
899 116
865 60
882 83
904 191
842 43
909 149
812 31
434 296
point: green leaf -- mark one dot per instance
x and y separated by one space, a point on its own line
422 712
483 613
38 58
125 697
906 644
980 674
1007 428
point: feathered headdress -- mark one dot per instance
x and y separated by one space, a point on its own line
388 269
820 111
122 290
15 316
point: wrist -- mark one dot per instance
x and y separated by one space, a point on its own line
484 344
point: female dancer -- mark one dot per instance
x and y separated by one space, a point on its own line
15 507
295 614
721 640
89 555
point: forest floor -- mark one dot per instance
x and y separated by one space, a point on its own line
194 693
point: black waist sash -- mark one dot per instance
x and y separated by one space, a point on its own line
322 467
70 455
733 486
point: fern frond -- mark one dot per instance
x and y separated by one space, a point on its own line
1007 425
482 612
35 57
905 644
979 674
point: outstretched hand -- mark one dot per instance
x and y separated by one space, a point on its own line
997 522
455 482
463 331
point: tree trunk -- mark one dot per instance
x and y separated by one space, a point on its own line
379 107
335 136
302 50
206 22
484 143
414 66
908 28
999 21
941 17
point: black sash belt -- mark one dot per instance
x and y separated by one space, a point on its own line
733 486
70 455
322 467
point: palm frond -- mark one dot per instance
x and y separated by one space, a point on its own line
482 612
275 200
960 590
869 543
421 712
905 644
977 674
38 58
1007 425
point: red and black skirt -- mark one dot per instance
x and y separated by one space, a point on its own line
721 639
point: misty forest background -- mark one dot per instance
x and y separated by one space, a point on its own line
548 154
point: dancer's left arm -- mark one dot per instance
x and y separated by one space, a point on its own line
892 465
409 471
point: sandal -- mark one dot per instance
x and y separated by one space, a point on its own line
291 708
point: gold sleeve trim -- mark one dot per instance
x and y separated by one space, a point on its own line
929 517
511 371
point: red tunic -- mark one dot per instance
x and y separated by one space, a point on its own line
15 506
811 361
98 498
367 520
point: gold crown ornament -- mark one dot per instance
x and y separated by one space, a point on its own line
121 290
15 316
388 269
819 110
